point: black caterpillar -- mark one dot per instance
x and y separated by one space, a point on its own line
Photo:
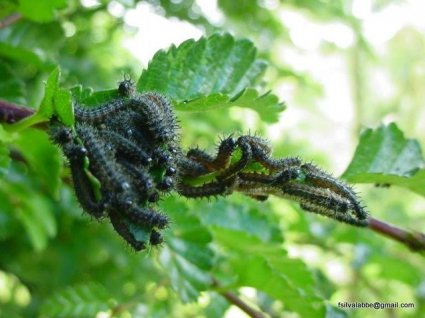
314 189
131 144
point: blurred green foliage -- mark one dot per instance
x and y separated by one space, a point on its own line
57 262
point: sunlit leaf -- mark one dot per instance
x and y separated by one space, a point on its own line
385 156
267 105
47 104
213 72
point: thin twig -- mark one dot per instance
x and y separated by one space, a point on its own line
11 113
10 20
414 240
235 300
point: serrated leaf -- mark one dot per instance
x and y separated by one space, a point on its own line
11 88
267 105
77 301
212 72
294 283
56 100
186 256
385 156
257 272
40 11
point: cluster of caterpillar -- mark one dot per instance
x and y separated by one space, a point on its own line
315 190
130 145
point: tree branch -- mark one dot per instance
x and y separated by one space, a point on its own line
11 113
235 300
414 240
10 20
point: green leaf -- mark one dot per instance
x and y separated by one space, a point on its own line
38 220
88 98
267 267
213 72
239 217
4 158
63 106
32 210
11 87
385 156
21 54
256 271
8 221
47 104
40 11
186 256
267 105
85 300
43 157
56 100
217 306
32 44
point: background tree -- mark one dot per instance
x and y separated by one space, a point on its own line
230 254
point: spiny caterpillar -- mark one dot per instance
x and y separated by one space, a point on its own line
130 145
290 178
